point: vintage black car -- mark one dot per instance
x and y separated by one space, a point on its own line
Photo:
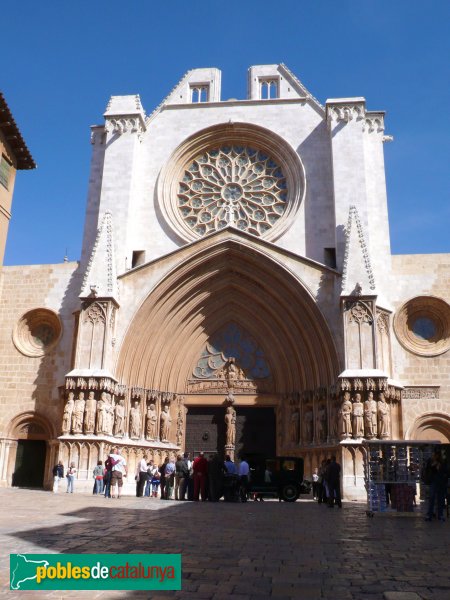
281 477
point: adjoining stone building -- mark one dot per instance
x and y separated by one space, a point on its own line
14 156
235 254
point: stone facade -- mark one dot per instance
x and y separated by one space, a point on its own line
14 156
235 254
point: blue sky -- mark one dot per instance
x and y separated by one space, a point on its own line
62 61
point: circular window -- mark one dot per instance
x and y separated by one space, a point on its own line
37 332
424 328
237 175
422 325
232 185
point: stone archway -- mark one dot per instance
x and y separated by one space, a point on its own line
233 280
26 451
431 426
223 283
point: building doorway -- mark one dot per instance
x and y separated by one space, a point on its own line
255 430
30 464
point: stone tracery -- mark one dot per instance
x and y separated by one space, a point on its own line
232 185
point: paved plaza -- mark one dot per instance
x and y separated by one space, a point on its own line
237 551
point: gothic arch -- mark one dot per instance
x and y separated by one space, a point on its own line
431 426
225 282
31 425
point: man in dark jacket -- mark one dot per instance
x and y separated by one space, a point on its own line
181 476
333 477
437 475
58 474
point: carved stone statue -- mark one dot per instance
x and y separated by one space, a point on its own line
78 414
230 422
102 414
345 414
109 421
309 425
165 422
358 417
68 410
294 424
370 417
232 373
152 423
322 423
383 417
90 412
119 418
135 421
180 425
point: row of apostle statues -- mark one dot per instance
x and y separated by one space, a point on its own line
370 419
314 427
107 416
352 419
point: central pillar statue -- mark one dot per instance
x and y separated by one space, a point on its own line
230 422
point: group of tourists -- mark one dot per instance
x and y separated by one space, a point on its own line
58 475
184 479
326 483
180 479
108 478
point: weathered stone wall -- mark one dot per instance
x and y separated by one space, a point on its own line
415 275
31 383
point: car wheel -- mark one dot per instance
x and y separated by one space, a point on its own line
289 492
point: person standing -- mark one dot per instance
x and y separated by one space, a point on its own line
181 474
170 479
141 477
58 474
162 472
230 467
187 488
215 478
156 480
107 474
315 483
321 495
148 483
71 472
119 471
333 479
200 469
437 474
244 478
98 478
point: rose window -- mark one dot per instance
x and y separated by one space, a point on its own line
232 185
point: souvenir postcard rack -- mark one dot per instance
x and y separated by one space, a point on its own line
392 472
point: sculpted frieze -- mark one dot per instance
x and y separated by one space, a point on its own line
421 393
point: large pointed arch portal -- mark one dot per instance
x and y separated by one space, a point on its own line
178 340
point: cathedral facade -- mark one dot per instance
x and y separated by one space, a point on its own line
236 293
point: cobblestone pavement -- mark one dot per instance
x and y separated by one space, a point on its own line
247 551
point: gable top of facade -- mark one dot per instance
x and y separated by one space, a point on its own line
266 84
287 86
242 238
